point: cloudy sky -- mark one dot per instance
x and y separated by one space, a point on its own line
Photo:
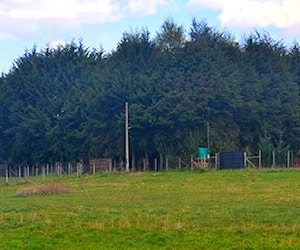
25 23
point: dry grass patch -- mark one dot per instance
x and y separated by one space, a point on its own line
43 189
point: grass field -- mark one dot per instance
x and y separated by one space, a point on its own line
242 209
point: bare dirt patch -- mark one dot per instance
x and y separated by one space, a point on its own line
43 189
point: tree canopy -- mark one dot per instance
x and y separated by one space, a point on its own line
67 104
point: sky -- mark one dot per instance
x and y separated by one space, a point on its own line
101 23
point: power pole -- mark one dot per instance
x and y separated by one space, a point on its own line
126 138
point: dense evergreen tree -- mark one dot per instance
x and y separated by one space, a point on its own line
171 37
276 94
67 104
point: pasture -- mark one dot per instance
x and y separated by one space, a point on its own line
241 209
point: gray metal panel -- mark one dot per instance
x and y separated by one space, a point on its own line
231 160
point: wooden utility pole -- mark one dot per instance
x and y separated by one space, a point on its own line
126 138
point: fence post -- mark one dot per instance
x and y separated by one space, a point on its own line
114 165
274 159
192 164
43 171
36 170
259 158
288 159
179 163
217 161
94 167
6 175
155 165
79 169
110 166
60 169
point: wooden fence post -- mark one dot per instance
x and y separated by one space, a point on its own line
60 170
94 167
217 161
69 168
114 165
6 175
155 165
43 172
36 170
110 166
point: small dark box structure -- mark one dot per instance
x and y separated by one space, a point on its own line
231 160
102 164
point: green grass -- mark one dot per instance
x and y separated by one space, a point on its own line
243 209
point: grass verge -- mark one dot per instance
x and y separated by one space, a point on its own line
244 209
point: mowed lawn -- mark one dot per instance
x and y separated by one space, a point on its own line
241 209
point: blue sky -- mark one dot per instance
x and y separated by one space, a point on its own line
25 23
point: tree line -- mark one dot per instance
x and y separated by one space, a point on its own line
67 103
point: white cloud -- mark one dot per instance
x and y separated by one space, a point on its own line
212 4
67 10
29 16
282 14
57 44
144 7
25 17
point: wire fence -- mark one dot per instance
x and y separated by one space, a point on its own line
273 159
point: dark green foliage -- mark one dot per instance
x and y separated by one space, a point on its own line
171 37
67 104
